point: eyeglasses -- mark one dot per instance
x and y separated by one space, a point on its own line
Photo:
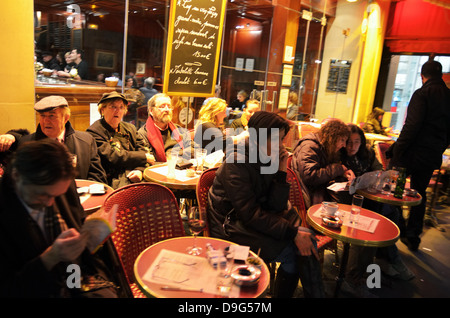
113 107
164 106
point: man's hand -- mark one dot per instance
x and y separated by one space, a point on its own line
6 141
304 242
66 248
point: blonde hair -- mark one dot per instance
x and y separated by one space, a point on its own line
209 111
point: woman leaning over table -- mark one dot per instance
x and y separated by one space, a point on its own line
121 149
249 206
316 161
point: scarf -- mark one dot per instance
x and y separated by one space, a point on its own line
155 138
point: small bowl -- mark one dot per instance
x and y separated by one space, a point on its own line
47 72
111 82
245 275
332 221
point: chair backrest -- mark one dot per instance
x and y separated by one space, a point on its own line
147 213
380 152
204 183
296 196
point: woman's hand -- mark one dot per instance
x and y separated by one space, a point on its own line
304 242
135 176
349 174
284 155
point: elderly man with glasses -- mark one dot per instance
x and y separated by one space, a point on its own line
160 133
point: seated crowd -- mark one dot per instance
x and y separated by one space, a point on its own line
249 199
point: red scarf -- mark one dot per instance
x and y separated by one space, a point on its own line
155 138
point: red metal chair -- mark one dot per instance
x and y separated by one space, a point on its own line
204 183
148 213
380 152
296 199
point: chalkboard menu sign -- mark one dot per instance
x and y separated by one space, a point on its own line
193 49
338 76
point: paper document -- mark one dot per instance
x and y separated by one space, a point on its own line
185 272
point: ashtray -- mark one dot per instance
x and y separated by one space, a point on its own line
245 275
411 192
332 221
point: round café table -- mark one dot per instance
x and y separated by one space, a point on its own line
390 199
385 233
92 202
149 255
158 174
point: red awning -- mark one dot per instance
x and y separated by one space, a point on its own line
419 26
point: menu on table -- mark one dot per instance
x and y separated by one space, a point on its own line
184 271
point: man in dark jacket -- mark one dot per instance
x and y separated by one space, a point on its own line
54 115
422 141
40 221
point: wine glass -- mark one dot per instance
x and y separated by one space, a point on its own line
196 225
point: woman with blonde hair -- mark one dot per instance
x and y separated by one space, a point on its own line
209 132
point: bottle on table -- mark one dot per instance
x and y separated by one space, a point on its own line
400 185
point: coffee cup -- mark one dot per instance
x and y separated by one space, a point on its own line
330 208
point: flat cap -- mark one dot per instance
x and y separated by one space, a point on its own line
111 95
50 102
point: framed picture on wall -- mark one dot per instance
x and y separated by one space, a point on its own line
105 59
140 68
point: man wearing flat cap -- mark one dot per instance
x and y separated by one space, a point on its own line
122 150
54 114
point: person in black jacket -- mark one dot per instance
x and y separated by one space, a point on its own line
122 150
422 141
249 206
54 115
40 221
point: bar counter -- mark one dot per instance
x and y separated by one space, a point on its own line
79 94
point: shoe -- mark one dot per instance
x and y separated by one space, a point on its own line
412 245
403 271
358 291
386 268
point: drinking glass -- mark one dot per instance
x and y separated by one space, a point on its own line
200 155
196 225
224 280
386 185
374 186
172 159
357 202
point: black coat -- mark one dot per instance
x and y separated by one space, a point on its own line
257 201
81 144
22 241
120 152
426 132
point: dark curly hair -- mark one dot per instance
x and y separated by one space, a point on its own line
329 134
